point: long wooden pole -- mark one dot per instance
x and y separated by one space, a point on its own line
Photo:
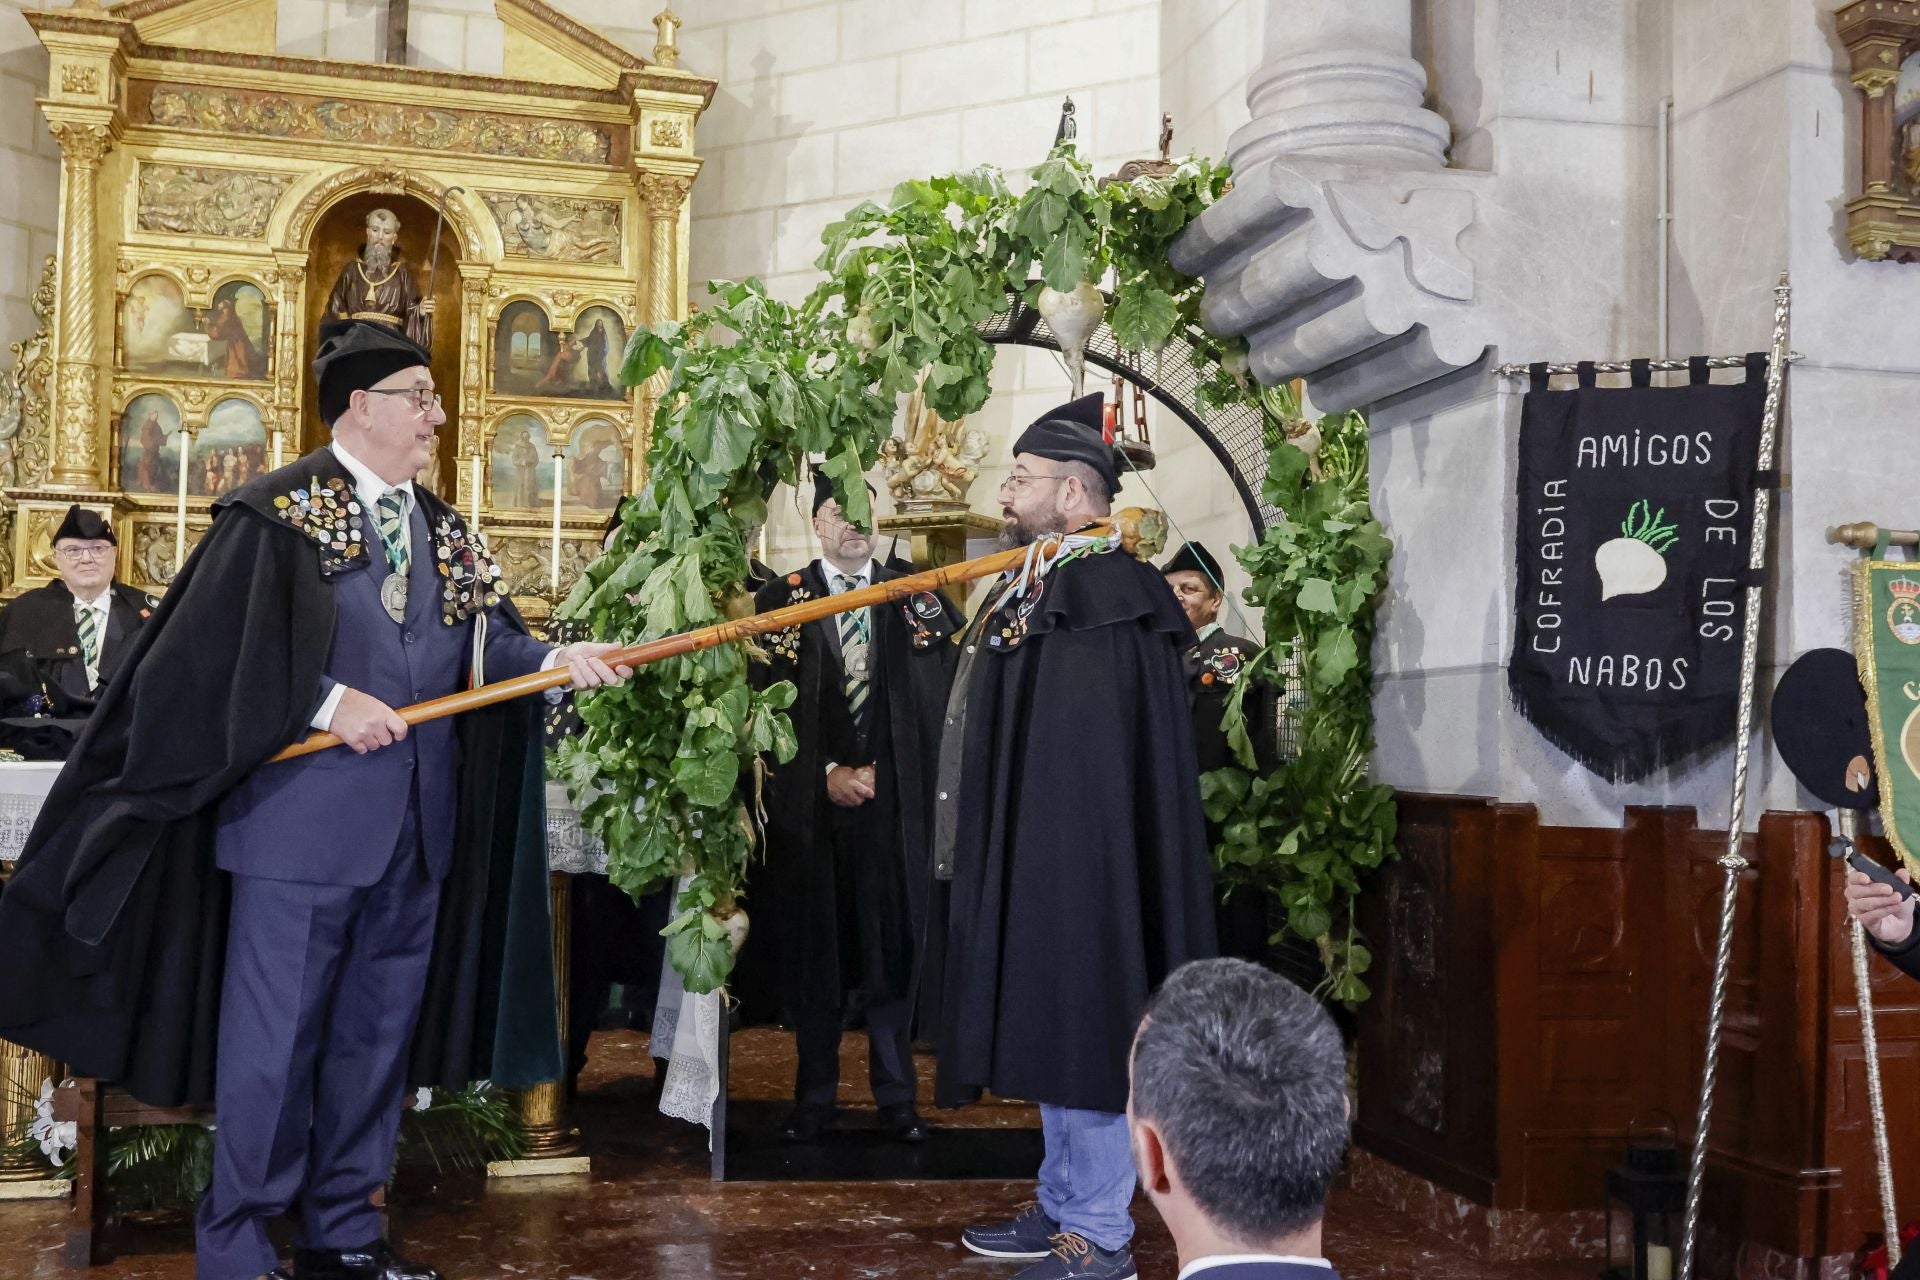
1133 539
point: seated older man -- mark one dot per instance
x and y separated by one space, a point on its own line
1240 1120
65 640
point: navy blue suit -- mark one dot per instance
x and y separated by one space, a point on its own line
336 861
1266 1271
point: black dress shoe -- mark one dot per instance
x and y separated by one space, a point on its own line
902 1123
807 1122
370 1262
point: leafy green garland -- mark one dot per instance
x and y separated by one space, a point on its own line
666 768
1309 832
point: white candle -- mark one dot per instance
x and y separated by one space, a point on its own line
1659 1262
180 508
277 439
559 466
473 492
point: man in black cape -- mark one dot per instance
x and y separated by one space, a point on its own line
59 643
201 923
1068 815
1215 667
846 892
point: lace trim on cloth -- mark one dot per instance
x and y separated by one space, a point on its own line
689 1024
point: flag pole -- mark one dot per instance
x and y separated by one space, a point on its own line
1733 862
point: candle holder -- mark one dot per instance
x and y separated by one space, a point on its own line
1652 1188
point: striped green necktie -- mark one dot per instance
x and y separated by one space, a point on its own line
390 518
853 632
88 623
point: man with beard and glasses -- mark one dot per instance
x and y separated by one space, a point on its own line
379 287
1067 814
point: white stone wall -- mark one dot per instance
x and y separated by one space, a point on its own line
1208 48
29 173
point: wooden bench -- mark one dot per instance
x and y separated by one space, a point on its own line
95 1108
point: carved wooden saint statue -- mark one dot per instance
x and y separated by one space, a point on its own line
379 286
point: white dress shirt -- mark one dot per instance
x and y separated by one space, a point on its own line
99 606
1235 1259
368 489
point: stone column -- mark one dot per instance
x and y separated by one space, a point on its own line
78 459
1339 82
665 195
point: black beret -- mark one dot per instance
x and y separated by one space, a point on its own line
1820 726
823 489
1074 432
356 354
85 524
1194 558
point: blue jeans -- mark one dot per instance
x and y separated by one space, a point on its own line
1087 1177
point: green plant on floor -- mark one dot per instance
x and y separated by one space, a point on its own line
1309 833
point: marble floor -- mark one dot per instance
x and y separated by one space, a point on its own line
649 1210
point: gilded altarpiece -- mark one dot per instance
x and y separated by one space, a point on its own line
212 195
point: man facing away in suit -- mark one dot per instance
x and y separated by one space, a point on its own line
1240 1120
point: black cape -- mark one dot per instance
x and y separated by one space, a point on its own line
1081 877
1214 667
116 907
802 952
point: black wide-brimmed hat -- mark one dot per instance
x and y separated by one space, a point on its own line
1820 726
1194 558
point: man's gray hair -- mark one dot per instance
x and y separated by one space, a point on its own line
1245 1077
1092 481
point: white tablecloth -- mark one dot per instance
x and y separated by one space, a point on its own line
23 787
689 1026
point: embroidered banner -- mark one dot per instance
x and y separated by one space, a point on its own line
1886 644
1635 515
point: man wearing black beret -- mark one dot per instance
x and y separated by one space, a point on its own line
67 638
845 872
1215 668
300 940
1067 812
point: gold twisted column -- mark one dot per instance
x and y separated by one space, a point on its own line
77 456
665 195
553 1145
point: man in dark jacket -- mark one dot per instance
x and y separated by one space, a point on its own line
1240 1120
75 631
325 595
1068 814
844 908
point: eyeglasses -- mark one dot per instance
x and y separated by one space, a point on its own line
426 399
1021 482
81 554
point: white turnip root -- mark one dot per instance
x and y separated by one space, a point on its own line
1633 564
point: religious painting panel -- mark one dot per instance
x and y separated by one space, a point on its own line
556 228
230 450
596 466
522 465
158 333
239 329
524 347
150 445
